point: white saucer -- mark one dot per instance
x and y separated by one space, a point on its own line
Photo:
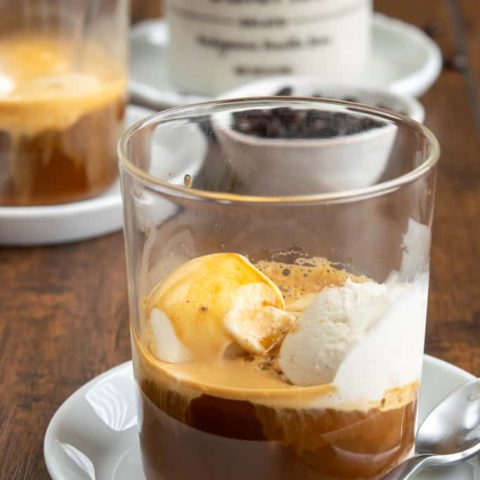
93 435
68 222
404 60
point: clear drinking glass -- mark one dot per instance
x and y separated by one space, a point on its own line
63 77
278 259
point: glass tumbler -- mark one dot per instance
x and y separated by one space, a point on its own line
278 261
62 96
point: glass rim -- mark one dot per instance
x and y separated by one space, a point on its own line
316 198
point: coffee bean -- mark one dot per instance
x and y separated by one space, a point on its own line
284 92
286 122
458 62
288 91
280 112
432 29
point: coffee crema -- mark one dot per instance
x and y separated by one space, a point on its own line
61 112
237 416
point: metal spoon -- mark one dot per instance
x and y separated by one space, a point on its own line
450 433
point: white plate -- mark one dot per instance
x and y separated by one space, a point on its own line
93 435
404 60
67 222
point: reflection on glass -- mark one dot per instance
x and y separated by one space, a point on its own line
80 460
114 403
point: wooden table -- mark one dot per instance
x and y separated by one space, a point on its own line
64 309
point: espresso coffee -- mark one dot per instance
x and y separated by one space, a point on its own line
236 381
61 112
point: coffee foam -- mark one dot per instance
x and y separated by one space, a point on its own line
247 380
301 281
45 84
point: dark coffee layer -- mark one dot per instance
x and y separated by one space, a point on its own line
214 438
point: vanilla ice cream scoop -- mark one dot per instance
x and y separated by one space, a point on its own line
163 341
255 324
210 302
334 323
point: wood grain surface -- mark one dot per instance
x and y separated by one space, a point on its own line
63 309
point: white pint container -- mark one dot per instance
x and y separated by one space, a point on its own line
218 44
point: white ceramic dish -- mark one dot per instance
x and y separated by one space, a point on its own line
403 60
70 222
306 87
93 435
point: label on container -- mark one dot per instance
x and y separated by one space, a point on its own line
218 44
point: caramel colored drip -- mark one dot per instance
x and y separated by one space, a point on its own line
60 118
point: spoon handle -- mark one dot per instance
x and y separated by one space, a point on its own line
408 469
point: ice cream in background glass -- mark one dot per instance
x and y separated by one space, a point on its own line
62 98
277 336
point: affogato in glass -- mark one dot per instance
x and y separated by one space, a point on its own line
278 258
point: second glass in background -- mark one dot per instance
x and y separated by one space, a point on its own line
278 287
63 74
